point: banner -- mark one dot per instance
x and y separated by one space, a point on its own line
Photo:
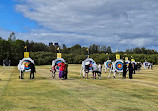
58 55
132 60
26 54
126 58
117 56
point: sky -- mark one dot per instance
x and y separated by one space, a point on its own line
121 24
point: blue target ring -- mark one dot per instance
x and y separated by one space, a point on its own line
26 65
108 64
127 63
146 64
119 66
91 63
58 64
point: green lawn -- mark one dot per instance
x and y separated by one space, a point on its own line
77 94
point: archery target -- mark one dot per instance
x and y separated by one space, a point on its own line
91 63
118 65
108 64
146 64
58 62
26 63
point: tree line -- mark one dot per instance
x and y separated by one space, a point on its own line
43 54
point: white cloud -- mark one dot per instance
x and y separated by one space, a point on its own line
109 22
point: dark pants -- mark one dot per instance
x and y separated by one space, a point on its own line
130 74
134 71
124 74
32 73
22 75
64 75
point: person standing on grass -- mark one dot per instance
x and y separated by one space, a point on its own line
66 71
130 70
124 70
99 70
61 69
87 65
151 65
139 66
134 68
53 70
33 70
22 69
95 70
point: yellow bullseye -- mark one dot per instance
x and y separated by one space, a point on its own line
119 66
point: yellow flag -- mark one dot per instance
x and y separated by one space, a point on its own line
87 49
117 56
132 60
126 58
25 47
58 48
58 55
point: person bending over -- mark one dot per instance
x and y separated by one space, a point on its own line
87 65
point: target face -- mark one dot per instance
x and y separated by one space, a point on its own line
146 64
119 66
108 64
58 63
127 63
91 63
26 63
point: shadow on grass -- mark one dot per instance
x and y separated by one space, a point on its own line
128 109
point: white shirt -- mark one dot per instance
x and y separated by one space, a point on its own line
22 67
95 68
87 63
99 68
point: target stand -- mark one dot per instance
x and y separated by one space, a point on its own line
6 63
23 66
107 65
146 65
112 70
83 66
57 62
117 67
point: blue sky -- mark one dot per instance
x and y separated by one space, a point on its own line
120 24
13 21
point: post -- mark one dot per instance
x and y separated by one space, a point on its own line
88 52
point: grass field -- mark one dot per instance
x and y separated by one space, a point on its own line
77 94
